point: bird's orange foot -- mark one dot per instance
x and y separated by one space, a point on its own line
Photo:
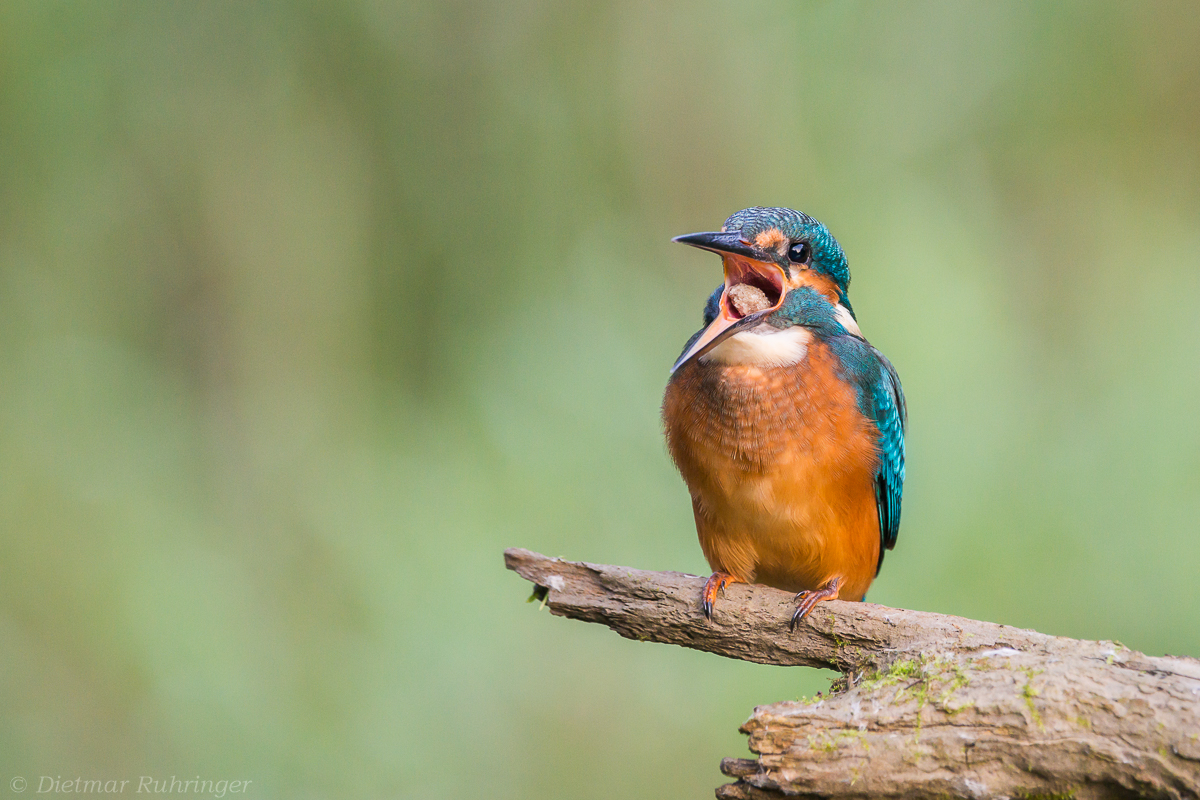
806 599
712 587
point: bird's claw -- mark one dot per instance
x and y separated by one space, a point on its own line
712 587
806 600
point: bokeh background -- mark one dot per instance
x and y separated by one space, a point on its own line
308 310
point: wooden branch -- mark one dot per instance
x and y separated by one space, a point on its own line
928 705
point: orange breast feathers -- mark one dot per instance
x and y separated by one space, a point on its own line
780 464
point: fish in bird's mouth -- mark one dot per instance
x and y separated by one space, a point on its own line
749 287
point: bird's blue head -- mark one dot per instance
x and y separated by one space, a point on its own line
799 239
775 251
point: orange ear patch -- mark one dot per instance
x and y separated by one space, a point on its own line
824 284
770 239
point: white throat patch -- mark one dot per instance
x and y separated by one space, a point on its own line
763 346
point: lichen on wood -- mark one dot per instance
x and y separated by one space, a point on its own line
927 706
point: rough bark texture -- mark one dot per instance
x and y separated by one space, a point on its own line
928 705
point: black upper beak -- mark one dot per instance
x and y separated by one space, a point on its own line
723 242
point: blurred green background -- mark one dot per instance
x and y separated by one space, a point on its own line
308 310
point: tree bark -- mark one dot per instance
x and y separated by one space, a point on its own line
928 705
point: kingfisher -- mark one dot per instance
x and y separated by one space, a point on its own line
785 423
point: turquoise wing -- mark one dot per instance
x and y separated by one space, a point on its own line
882 400
885 405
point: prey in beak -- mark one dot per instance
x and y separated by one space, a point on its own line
755 285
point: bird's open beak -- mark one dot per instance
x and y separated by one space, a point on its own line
744 264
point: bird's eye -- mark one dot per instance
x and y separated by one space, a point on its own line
800 253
